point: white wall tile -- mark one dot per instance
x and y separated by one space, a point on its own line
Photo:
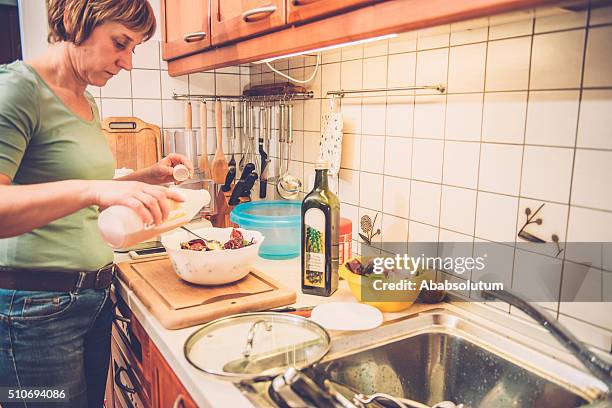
558 19
432 67
349 186
147 55
434 37
330 78
500 168
589 226
370 191
376 48
394 230
146 84
351 151
373 111
496 217
116 107
470 31
372 153
402 70
427 158
351 114
466 68
311 146
547 173
419 235
330 56
227 84
458 210
598 57
148 110
405 42
464 117
202 83
312 115
171 85
429 116
508 64
504 117
425 202
173 114
298 116
396 196
554 218
592 175
552 118
537 277
118 86
375 72
400 115
551 51
352 73
511 24
600 14
398 156
352 52
461 161
595 124
587 332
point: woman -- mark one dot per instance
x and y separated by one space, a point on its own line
55 175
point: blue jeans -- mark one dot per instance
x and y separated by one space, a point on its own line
56 340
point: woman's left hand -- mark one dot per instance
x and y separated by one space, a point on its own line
161 172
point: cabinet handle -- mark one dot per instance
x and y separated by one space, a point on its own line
249 15
179 402
298 3
120 384
193 37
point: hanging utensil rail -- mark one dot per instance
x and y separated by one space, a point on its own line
341 92
262 98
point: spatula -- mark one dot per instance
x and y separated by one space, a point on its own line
219 164
204 164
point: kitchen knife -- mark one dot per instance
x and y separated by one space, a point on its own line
248 169
231 174
238 189
249 182
264 155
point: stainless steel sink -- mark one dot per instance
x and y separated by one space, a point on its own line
442 355
434 367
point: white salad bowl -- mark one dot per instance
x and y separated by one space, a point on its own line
216 267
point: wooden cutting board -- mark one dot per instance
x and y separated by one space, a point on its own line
135 144
177 303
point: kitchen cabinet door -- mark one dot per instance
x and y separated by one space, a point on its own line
186 27
301 10
234 19
168 390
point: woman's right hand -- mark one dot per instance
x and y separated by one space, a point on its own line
150 202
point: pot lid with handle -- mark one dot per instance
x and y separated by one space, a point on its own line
256 346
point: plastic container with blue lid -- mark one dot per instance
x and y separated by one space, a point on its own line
278 221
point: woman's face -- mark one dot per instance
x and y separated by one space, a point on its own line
107 51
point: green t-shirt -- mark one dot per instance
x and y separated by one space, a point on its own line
42 141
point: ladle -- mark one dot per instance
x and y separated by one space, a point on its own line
288 186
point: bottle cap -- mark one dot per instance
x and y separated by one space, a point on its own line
321 164
180 172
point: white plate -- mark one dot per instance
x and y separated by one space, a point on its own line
347 316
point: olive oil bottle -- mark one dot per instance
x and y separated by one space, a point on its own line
320 229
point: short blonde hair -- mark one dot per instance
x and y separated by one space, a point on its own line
82 16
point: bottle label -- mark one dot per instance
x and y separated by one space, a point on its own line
314 253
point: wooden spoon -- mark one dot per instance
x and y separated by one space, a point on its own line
219 163
204 164
188 122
